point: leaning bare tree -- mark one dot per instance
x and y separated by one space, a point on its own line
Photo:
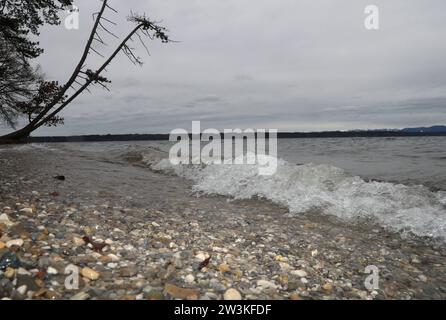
44 110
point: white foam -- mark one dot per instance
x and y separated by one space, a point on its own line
26 147
34 146
325 188
442 197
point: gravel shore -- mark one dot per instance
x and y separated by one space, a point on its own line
135 234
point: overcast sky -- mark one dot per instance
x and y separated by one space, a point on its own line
294 65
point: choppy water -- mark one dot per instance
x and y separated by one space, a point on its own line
398 182
413 160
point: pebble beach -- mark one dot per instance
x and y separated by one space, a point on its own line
134 234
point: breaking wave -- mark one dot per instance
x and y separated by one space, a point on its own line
330 190
26 147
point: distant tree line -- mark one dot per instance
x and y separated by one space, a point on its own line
280 135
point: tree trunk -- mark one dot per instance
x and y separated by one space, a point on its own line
18 136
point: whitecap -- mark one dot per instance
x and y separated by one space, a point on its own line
326 188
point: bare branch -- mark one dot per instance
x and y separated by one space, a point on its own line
112 9
103 86
143 44
81 85
129 53
99 39
109 21
108 31
98 53
75 73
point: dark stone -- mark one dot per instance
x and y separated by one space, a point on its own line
128 271
95 292
5 288
28 281
9 259
294 285
44 262
154 295
15 295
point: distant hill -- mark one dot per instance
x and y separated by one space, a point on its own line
433 129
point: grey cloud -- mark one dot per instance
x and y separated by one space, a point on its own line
205 102
243 77
208 99
313 66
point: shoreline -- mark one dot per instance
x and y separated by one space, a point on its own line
157 234
280 135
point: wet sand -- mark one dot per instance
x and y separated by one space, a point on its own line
157 234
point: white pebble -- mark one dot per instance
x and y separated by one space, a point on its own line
113 257
266 284
15 242
189 279
299 273
22 290
78 241
4 217
201 256
422 278
129 247
5 220
51 270
232 294
22 271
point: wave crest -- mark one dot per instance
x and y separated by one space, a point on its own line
325 188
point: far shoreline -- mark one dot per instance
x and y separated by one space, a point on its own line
280 135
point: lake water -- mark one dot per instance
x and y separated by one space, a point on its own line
400 183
